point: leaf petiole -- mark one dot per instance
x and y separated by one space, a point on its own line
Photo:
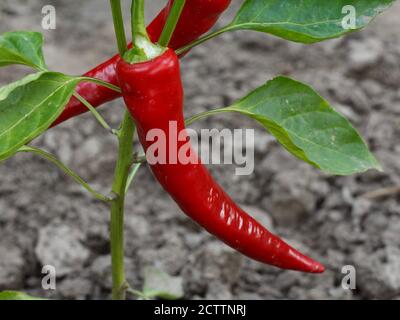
66 170
203 39
96 114
101 83
132 175
206 114
171 23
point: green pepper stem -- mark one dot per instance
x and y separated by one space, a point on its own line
138 22
143 49
171 23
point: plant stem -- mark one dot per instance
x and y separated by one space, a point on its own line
119 25
171 23
125 151
204 39
138 23
143 49
125 139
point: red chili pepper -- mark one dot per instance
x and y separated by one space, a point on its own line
153 93
198 17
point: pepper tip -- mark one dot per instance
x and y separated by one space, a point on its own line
319 268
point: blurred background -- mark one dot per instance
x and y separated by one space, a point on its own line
45 218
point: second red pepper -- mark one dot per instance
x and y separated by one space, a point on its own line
198 17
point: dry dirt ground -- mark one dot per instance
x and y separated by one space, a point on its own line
46 218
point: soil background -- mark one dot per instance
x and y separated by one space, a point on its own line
46 219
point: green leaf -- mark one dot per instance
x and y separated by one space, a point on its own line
29 106
22 47
158 284
15 295
306 125
305 21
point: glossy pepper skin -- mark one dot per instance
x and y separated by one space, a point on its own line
153 93
197 18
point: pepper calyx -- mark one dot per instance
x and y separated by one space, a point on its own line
143 50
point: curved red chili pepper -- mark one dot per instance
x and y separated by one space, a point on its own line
198 17
153 94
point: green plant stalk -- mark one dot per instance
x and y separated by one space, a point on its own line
204 114
204 39
66 170
132 175
95 113
101 83
125 151
122 178
119 25
138 23
143 49
125 138
171 23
